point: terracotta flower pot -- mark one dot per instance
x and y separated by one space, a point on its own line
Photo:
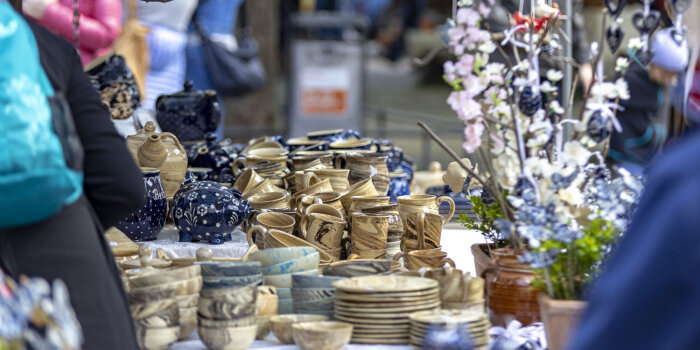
509 291
482 256
560 318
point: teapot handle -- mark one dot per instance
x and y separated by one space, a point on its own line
174 138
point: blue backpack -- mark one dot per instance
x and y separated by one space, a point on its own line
37 138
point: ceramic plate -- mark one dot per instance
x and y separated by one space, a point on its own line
383 305
390 284
390 341
448 316
368 323
372 312
387 297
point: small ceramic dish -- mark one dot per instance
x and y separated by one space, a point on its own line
222 282
281 325
229 338
284 281
325 335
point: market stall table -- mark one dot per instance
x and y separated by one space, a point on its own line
271 343
168 241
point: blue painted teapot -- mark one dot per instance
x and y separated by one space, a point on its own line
208 211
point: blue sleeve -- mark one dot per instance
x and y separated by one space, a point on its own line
648 296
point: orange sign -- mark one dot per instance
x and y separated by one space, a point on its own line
324 101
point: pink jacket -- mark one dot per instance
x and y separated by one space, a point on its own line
100 24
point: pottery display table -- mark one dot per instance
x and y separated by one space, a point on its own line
168 241
271 343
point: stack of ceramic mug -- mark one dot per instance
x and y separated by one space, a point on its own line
422 242
227 318
278 265
313 294
185 281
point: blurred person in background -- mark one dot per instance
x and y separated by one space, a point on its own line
217 20
167 41
644 119
100 22
69 244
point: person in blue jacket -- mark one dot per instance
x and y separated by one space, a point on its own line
648 295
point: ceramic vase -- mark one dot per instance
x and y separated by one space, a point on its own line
208 211
398 186
147 222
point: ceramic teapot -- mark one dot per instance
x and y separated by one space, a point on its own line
189 114
163 152
217 155
208 211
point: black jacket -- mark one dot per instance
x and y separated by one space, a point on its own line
70 245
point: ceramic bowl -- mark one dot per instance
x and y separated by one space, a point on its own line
281 325
309 295
304 263
321 306
163 276
285 306
184 287
188 313
273 256
239 322
150 295
228 338
267 301
284 281
229 269
187 329
325 335
222 282
157 338
306 281
354 268
263 327
279 239
284 293
156 315
186 301
238 303
227 293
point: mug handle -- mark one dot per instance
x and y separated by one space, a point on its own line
251 234
398 256
302 225
307 178
353 257
452 207
420 230
339 159
447 261
237 166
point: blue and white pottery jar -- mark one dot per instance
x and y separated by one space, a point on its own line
398 186
333 135
208 211
147 222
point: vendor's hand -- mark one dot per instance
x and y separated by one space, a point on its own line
36 8
585 75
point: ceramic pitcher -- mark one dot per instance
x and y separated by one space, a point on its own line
172 168
425 203
365 166
147 222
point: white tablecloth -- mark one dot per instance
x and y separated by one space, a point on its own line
169 237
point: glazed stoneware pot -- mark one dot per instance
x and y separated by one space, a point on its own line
365 166
172 168
189 114
398 186
509 291
217 155
208 211
147 222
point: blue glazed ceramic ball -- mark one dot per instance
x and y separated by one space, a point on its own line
529 101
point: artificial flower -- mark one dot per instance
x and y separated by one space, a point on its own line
487 47
621 64
547 87
554 75
450 71
556 108
465 64
467 16
575 153
635 43
622 89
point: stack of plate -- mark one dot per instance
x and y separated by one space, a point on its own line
475 323
379 306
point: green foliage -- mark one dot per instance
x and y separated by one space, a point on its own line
486 215
578 262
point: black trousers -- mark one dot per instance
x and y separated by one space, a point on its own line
70 246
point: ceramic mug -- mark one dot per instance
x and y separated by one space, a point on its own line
338 178
422 231
430 258
356 253
269 221
325 157
362 188
315 188
360 144
270 200
329 198
264 187
324 209
425 203
369 231
365 166
324 230
261 155
247 180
